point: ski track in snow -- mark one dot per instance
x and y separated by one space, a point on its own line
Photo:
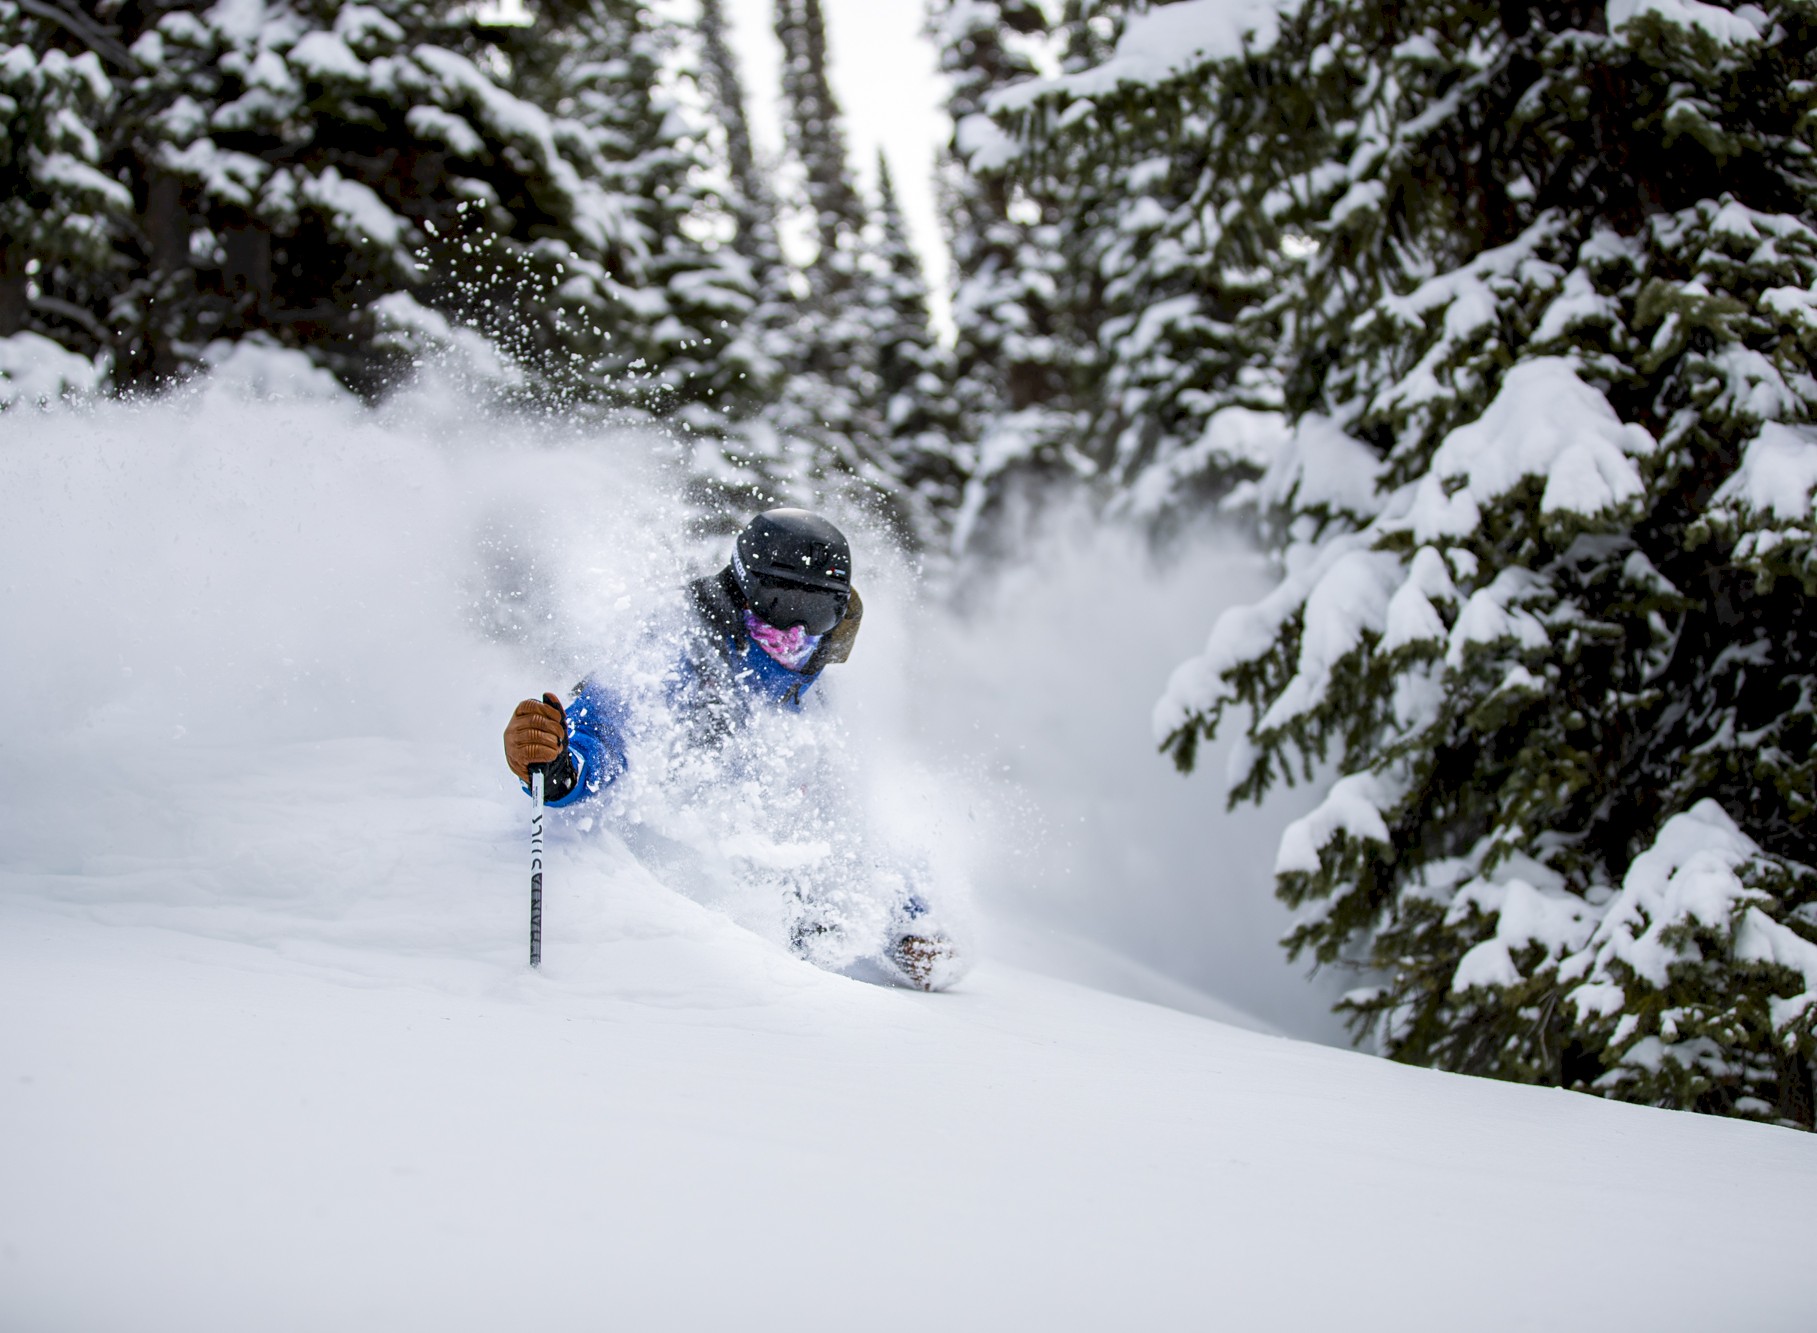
272 1059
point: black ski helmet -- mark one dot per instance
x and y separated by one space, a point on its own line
794 568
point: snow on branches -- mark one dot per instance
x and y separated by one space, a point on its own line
1545 597
282 168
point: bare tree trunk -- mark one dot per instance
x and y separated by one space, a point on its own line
248 264
13 280
167 225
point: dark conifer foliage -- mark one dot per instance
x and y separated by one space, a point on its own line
289 163
830 410
1168 294
1505 310
1547 510
372 183
752 469
750 199
670 313
816 134
1011 363
381 185
1089 30
919 420
60 212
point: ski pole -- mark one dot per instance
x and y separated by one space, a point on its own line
536 867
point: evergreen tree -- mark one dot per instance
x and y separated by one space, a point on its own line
816 135
918 420
1549 514
369 182
1088 32
60 212
832 404
758 470
1015 351
749 198
1171 272
674 305
292 160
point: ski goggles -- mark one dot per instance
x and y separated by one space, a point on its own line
786 605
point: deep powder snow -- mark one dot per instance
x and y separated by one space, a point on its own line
272 1059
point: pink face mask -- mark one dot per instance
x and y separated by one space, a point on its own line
789 647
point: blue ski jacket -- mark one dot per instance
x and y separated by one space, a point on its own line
720 660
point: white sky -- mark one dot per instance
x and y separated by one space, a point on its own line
884 73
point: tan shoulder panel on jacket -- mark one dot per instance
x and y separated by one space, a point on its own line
839 639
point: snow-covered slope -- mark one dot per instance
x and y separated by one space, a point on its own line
270 1057
679 1128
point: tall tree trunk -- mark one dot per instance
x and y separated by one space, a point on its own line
13 280
167 224
248 261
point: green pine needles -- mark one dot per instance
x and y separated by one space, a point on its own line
1539 300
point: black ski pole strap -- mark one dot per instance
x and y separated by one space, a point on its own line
560 776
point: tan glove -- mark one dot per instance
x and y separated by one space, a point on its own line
536 734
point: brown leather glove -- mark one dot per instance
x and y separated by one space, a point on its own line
536 734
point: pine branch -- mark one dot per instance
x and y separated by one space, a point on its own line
85 30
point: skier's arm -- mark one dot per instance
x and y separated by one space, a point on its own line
595 754
580 750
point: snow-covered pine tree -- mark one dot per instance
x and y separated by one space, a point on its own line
756 467
298 159
1178 396
360 181
918 419
1011 370
1549 521
831 405
815 129
61 215
671 303
1089 30
749 197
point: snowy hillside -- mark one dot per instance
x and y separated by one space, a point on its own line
271 1058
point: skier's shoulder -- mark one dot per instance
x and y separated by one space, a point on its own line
714 601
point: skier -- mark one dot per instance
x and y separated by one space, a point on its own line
759 633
